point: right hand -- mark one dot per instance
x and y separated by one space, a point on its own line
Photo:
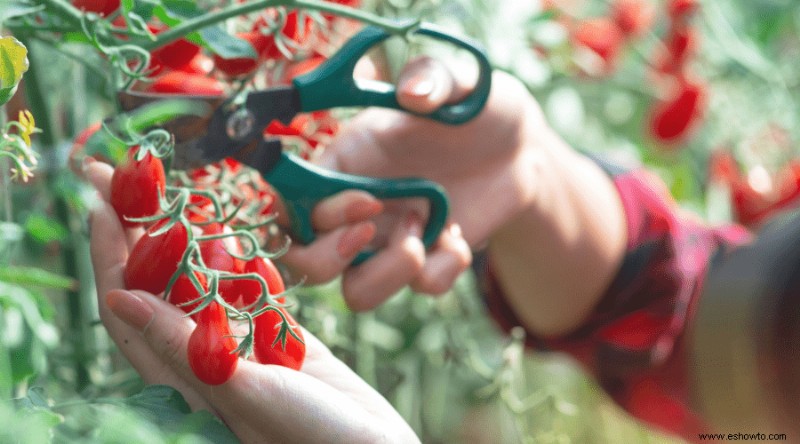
482 165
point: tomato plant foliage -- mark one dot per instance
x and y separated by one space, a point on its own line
678 85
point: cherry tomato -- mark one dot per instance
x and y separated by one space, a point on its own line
136 185
173 55
634 17
292 31
241 66
154 259
184 291
211 346
103 8
289 353
671 119
680 9
250 290
603 37
178 82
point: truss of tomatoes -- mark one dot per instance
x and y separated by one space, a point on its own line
205 257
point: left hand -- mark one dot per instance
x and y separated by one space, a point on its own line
323 402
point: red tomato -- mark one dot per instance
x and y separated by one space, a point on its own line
184 291
174 55
680 45
291 31
680 9
135 187
154 259
243 65
288 352
602 36
103 8
211 346
250 290
178 82
672 119
634 17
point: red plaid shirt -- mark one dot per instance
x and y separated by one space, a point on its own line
633 342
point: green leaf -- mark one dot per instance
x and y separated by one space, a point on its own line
13 63
159 403
182 8
205 424
36 276
226 45
45 230
11 9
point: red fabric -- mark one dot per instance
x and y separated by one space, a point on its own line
633 341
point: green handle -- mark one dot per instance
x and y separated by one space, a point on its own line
302 185
332 84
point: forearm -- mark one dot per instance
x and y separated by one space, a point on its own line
555 258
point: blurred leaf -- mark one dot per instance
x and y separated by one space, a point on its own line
10 9
36 402
166 407
226 45
13 64
36 276
159 401
27 303
45 230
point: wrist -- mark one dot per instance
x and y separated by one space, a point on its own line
557 254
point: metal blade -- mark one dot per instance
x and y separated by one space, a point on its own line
229 130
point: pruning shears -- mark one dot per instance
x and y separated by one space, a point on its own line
234 128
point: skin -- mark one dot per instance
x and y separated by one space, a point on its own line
324 402
550 219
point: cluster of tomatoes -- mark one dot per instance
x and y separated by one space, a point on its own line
759 193
287 43
599 42
194 254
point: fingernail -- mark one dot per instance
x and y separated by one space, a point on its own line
355 239
130 308
88 160
455 230
361 210
419 86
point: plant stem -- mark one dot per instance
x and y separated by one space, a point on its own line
4 170
197 23
70 257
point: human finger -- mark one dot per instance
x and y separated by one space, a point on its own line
426 84
389 270
330 254
346 207
449 258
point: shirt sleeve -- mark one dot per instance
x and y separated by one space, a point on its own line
631 342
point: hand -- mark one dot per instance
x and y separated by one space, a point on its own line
551 219
324 402
480 164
